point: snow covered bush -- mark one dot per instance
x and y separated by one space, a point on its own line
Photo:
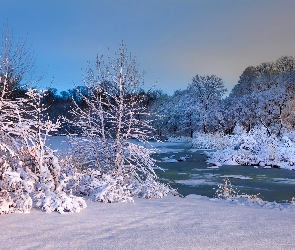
256 148
217 140
91 183
98 187
15 193
58 200
227 192
154 189
6 203
292 203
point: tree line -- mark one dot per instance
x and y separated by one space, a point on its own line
263 96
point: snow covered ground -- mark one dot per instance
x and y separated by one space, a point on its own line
193 222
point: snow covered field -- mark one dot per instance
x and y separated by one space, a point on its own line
168 223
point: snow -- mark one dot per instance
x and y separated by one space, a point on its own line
168 159
167 147
171 159
284 180
241 177
204 169
193 222
196 182
214 167
182 158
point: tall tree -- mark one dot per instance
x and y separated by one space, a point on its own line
113 122
208 90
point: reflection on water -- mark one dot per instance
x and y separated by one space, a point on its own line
195 176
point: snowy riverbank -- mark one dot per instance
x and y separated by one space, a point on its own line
168 223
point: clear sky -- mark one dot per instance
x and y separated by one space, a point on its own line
173 40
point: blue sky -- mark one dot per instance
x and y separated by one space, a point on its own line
173 40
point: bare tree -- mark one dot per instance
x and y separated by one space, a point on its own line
16 65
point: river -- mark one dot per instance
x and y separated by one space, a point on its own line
195 176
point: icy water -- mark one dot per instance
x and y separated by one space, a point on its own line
195 176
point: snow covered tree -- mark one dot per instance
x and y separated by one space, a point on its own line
208 91
275 103
245 84
261 77
175 114
194 109
15 64
285 64
114 125
158 109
